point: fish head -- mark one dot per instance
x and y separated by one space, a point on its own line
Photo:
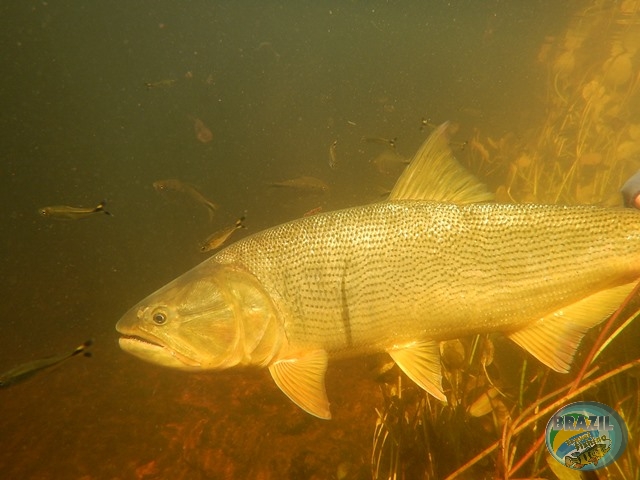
212 317
160 185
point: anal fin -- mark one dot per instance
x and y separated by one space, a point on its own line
302 380
555 338
421 362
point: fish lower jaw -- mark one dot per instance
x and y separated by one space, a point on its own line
155 353
128 342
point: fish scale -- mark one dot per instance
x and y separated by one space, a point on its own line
450 269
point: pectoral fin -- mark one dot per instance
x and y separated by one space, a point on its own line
421 362
555 338
302 380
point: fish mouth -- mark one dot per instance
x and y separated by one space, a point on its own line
138 342
154 352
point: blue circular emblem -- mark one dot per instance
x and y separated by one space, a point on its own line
586 435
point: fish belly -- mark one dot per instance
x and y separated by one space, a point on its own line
370 278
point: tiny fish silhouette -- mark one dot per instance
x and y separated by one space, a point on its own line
203 134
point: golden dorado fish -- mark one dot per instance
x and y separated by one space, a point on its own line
436 261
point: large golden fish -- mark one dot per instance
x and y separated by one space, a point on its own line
434 262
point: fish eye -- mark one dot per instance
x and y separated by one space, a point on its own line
159 318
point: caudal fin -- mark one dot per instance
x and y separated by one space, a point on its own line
83 349
211 209
101 207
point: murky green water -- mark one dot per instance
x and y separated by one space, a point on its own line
276 84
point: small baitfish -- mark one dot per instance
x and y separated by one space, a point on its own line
389 162
65 212
166 83
175 185
333 155
313 211
304 183
27 370
219 238
437 261
387 142
203 133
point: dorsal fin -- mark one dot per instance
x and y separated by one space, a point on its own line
434 174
